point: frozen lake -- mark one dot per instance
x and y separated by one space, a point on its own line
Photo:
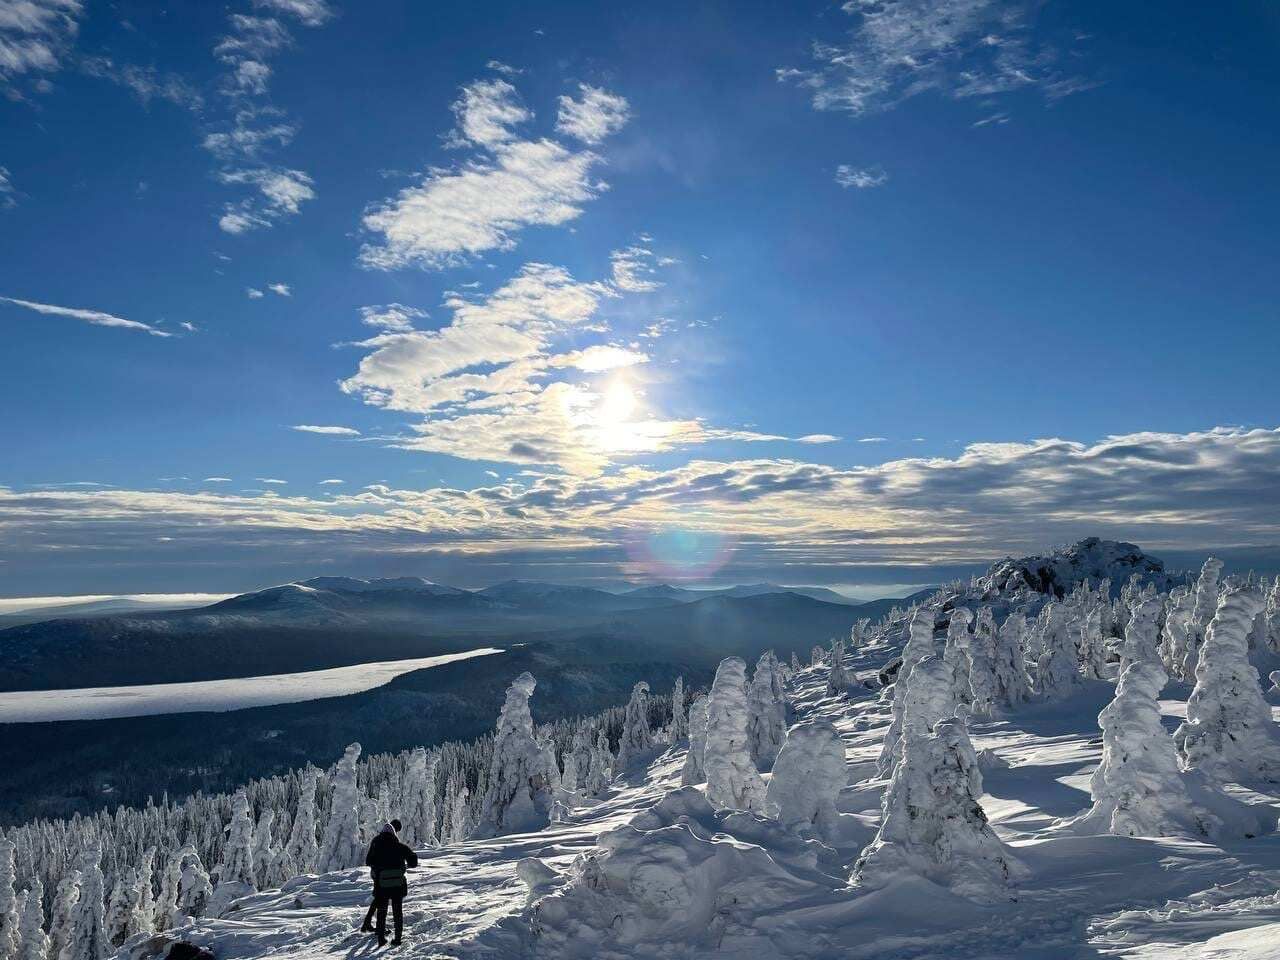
211 696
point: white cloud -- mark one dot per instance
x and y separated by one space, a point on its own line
216 480
599 358
96 317
873 439
492 473
898 49
332 482
7 190
280 289
188 326
146 83
35 35
271 480
818 438
593 118
860 178
254 293
634 269
394 317
509 184
282 193
312 13
330 431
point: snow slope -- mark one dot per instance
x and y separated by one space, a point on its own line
680 881
98 703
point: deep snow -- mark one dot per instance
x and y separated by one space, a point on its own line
682 881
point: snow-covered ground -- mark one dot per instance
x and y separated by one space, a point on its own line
679 882
212 696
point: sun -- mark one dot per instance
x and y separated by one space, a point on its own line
617 404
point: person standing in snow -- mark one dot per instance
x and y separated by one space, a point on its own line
387 860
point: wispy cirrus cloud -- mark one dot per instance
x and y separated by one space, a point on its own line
146 83
327 430
508 184
96 317
899 49
35 36
595 115
860 178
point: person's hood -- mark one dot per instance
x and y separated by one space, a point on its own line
388 828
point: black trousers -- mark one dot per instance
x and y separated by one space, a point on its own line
380 900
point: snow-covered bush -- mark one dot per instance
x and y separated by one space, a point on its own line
519 791
1139 790
807 776
732 778
1229 733
933 825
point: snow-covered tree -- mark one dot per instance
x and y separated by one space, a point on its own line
458 816
341 847
1094 655
1272 614
1142 632
600 767
1203 611
732 778
694 770
1011 669
816 655
301 850
266 853
795 664
119 907
766 711
418 798
1229 733
678 729
1139 790
956 651
10 918
519 791
933 826
62 916
34 942
88 936
636 735
1177 623
195 892
142 916
838 677
807 776
981 667
918 646
236 866
1057 669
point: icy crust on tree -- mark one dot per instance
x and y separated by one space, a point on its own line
341 847
807 777
1057 669
766 711
732 778
933 827
636 735
680 880
1139 789
1229 733
1061 571
694 771
930 696
918 646
521 778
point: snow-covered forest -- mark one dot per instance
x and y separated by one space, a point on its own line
932 782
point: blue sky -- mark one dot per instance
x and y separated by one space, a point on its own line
816 293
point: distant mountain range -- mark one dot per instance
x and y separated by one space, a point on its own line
337 621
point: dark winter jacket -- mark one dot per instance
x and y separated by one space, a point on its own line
387 861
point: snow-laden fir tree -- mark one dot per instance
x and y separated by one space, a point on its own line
119 906
34 941
1177 623
1272 614
678 729
418 800
636 735
1139 790
1058 668
143 912
62 916
1094 655
837 677
694 771
236 870
807 777
458 813
600 769
519 792
732 778
817 655
9 915
929 696
795 664
1229 733
195 891
341 847
956 651
266 854
981 667
1011 669
301 849
577 762
1203 611
87 939
932 825
766 711
1142 632
918 646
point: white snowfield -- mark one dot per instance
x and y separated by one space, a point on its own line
651 870
212 696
